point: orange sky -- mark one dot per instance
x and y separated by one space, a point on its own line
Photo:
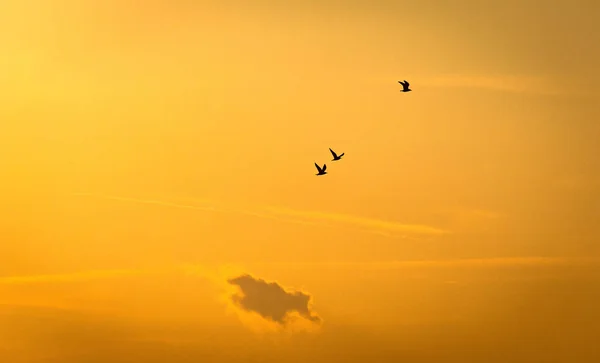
151 153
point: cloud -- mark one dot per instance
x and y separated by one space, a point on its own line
69 277
256 290
216 275
477 262
372 225
532 261
376 225
270 300
260 306
562 315
206 206
148 201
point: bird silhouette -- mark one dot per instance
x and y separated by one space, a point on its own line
336 156
405 85
321 170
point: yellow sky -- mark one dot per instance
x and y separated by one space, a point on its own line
151 153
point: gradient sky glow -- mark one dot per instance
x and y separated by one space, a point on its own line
151 153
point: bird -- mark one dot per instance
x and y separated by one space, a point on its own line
405 85
336 156
321 170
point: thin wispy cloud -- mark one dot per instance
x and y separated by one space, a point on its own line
223 273
71 277
148 201
215 275
478 262
370 223
533 261
203 205
390 229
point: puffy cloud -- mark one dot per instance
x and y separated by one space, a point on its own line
270 300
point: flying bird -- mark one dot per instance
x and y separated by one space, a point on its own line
321 170
336 156
405 85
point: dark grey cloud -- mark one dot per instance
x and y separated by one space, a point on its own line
270 300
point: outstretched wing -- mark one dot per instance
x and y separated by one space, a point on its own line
406 84
318 167
402 83
324 167
333 153
342 154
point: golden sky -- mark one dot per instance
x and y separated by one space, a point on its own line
159 203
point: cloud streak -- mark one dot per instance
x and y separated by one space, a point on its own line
206 207
369 223
223 272
381 227
532 261
70 277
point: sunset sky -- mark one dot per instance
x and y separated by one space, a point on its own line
158 197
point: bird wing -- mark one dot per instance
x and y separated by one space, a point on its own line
324 167
318 167
402 83
342 154
333 153
406 83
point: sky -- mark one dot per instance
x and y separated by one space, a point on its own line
158 197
